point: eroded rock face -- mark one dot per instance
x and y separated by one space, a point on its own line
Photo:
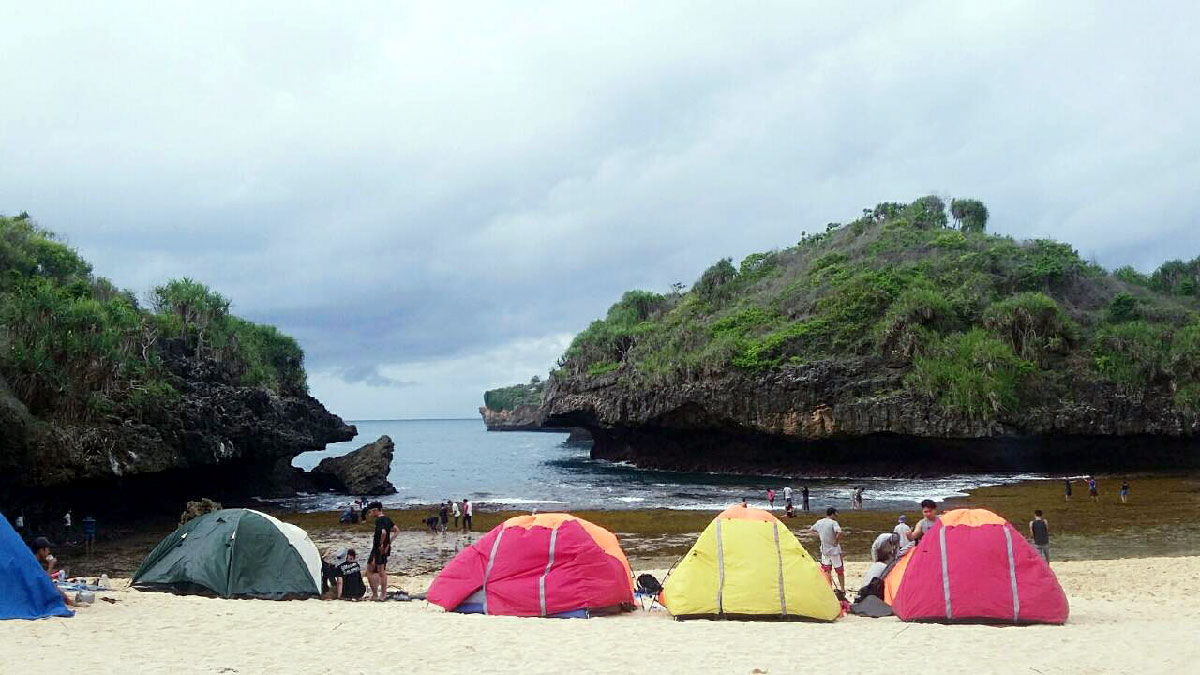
216 438
521 418
361 472
855 416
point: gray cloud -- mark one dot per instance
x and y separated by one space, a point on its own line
412 189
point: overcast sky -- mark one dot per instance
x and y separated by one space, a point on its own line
433 200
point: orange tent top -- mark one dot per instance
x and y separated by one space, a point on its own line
739 512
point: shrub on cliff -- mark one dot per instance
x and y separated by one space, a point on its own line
509 398
972 373
76 348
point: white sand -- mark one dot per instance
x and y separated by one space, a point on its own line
1127 616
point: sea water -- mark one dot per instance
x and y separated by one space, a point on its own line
438 460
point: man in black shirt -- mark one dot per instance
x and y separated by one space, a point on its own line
350 583
804 498
381 548
1040 529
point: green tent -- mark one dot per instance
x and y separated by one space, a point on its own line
234 553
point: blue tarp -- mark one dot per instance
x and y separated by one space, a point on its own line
25 590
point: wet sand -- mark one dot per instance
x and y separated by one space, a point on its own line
1162 518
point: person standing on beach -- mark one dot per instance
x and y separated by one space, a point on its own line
457 513
929 511
89 534
771 498
468 510
1039 529
1093 491
444 515
1125 491
381 548
804 498
903 530
830 533
1067 487
67 523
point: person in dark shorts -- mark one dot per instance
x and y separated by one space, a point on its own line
350 583
1093 491
89 534
381 548
1125 491
1039 529
468 511
1067 487
804 498
444 515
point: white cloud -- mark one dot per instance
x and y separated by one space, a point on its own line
399 183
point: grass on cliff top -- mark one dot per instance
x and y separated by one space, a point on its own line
982 323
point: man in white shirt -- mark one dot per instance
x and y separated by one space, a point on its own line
903 530
830 533
787 494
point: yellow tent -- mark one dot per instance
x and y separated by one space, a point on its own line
748 565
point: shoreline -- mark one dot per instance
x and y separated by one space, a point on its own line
1161 520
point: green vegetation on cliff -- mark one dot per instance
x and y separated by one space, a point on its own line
75 348
982 323
509 398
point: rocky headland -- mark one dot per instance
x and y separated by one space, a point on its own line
900 343
110 405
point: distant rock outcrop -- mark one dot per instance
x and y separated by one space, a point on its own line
521 418
361 472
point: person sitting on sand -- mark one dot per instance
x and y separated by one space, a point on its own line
929 511
350 582
331 576
830 534
41 551
381 548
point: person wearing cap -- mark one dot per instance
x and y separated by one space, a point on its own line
381 548
903 530
41 551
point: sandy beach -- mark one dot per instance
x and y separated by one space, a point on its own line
1136 615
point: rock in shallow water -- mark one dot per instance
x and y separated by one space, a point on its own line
361 472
